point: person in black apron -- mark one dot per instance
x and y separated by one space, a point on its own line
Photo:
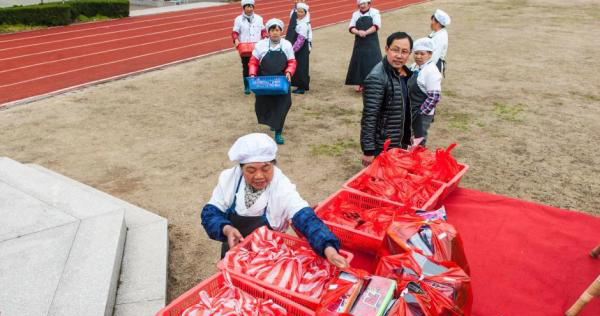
273 57
366 52
244 224
424 89
247 28
299 37
256 193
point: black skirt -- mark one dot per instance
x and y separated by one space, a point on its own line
301 78
272 110
365 55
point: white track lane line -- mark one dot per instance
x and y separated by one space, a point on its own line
131 46
87 84
108 63
142 27
118 39
140 21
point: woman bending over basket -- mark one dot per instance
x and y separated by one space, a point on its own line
273 56
256 193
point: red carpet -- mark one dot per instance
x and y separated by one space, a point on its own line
526 259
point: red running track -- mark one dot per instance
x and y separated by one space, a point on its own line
39 63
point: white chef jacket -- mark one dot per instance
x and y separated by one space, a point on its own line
304 29
280 199
440 45
307 20
262 48
429 78
373 13
248 32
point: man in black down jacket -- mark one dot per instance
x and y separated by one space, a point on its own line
386 107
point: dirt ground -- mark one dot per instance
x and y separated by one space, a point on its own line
521 97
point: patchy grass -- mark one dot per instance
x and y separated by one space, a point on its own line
459 121
508 112
11 28
330 111
588 97
449 93
334 150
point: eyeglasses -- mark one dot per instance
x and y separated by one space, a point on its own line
398 51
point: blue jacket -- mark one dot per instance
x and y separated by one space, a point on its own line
306 221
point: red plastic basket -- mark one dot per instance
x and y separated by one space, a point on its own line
431 204
292 242
350 238
214 284
453 183
245 49
450 185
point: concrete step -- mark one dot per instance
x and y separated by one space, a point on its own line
143 281
53 263
89 282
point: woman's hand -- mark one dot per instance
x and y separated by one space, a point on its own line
288 76
233 235
335 258
236 42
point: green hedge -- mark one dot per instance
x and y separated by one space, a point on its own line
50 14
109 8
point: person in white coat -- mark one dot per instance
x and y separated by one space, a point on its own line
256 193
248 27
439 21
424 89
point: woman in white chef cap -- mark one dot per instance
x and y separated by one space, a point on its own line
293 22
301 46
273 56
256 193
439 21
424 89
247 28
365 23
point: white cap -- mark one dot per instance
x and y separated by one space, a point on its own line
423 44
302 5
256 147
247 2
359 2
442 17
272 22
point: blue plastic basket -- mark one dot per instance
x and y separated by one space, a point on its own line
269 85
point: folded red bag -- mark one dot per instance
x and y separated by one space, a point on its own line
427 287
342 292
435 238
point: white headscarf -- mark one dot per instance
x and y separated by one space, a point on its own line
247 2
359 2
442 17
302 5
256 147
423 44
273 22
